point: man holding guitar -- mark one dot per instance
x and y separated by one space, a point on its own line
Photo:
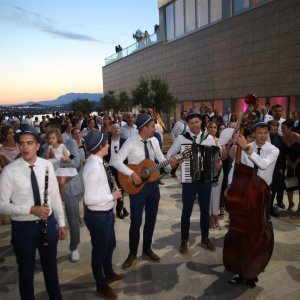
141 184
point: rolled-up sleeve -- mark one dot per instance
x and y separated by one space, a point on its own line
6 187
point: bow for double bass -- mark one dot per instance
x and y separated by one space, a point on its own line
148 170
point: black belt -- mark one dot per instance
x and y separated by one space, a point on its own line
99 211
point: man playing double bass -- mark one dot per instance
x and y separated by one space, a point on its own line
260 155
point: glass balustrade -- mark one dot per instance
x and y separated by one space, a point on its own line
143 43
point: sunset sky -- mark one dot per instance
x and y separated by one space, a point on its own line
50 48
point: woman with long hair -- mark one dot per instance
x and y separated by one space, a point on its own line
215 196
9 151
107 122
292 141
76 135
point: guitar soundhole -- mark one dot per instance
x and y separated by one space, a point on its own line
144 174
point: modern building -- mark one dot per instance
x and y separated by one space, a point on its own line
214 52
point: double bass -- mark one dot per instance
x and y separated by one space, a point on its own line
249 242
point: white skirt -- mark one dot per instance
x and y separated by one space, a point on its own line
66 172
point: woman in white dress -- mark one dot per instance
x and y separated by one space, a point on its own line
215 196
57 152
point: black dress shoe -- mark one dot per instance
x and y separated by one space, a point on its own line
274 214
281 205
251 282
236 279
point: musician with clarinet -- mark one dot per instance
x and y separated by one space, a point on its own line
137 149
99 197
195 137
37 214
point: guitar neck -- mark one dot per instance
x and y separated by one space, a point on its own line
163 164
159 165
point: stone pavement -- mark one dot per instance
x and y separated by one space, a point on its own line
198 275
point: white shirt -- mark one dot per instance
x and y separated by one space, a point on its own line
97 193
16 197
84 131
281 120
265 161
133 149
226 119
127 131
114 149
176 146
179 127
66 136
266 118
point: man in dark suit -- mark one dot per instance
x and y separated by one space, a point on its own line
116 142
277 185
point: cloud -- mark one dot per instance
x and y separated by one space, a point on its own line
29 19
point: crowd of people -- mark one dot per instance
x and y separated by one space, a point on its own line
73 153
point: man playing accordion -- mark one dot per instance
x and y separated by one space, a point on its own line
191 187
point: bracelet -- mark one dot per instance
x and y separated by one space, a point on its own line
247 148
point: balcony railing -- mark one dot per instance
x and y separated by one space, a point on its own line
142 44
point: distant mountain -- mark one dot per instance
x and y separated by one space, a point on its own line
68 98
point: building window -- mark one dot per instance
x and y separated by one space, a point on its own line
184 16
240 5
170 22
190 17
215 10
202 13
179 18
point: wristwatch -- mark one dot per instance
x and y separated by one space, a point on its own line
247 148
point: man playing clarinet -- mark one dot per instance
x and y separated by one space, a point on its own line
22 185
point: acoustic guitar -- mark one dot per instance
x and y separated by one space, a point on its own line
148 170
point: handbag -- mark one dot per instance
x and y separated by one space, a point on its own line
292 183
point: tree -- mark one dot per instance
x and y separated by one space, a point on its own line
162 99
82 105
124 102
141 94
154 92
109 101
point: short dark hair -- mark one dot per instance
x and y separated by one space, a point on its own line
192 116
289 123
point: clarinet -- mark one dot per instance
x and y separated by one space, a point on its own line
45 204
111 177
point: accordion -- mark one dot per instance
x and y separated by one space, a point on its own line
201 166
